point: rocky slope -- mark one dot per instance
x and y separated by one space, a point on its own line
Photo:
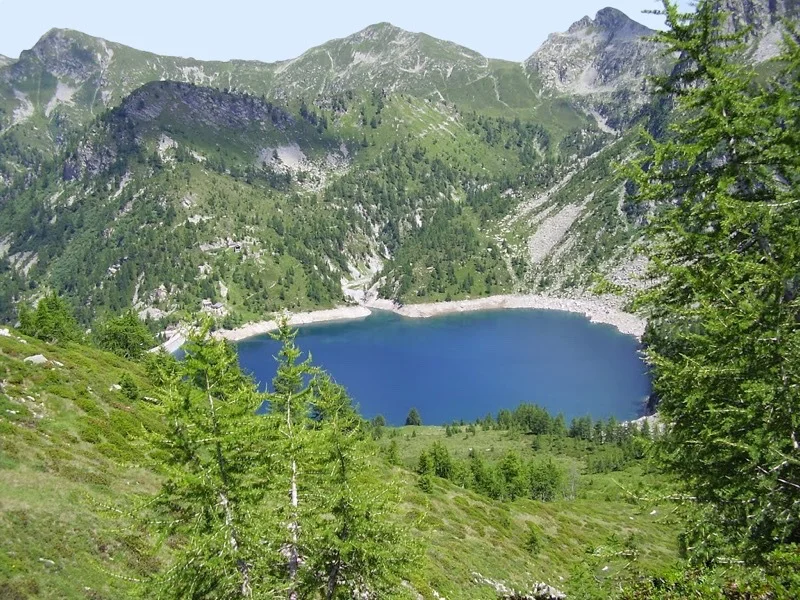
764 20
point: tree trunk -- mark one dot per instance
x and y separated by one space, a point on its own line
333 576
294 559
244 568
241 564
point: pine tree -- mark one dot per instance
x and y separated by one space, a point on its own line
413 417
213 495
336 539
51 321
724 339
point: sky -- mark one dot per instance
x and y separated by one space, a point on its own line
276 30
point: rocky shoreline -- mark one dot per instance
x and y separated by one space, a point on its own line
596 310
342 313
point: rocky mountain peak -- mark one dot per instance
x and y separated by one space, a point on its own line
585 23
381 56
377 31
609 21
65 53
4 60
613 20
596 55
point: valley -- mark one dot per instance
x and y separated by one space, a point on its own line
394 319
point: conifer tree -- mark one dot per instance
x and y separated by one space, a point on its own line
337 540
214 494
283 505
725 308
413 417
125 336
51 321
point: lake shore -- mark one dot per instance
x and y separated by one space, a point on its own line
596 310
342 313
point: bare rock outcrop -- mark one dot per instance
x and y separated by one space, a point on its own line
599 55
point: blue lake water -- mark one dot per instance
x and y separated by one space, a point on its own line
465 366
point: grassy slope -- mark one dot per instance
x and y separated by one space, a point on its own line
467 532
60 470
67 447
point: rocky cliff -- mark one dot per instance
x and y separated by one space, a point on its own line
764 21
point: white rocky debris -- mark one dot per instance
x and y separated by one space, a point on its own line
5 245
63 95
291 157
552 231
538 590
23 262
25 109
166 143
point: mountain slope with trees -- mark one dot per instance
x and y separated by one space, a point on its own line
386 160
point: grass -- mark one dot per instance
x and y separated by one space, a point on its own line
75 460
68 448
467 532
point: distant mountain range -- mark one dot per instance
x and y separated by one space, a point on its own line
386 159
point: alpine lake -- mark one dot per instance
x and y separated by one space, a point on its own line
464 366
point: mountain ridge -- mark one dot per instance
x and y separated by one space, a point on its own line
409 166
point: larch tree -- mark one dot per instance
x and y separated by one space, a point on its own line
723 186
213 501
287 504
339 539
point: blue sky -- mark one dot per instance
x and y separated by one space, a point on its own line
271 30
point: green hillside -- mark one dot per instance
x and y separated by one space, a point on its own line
185 193
77 459
424 160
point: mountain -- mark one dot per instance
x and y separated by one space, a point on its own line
68 77
184 191
386 161
386 57
602 54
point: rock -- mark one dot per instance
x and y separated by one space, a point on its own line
602 54
47 562
37 359
539 591
5 332
56 363
115 387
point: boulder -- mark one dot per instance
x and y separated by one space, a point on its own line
37 359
